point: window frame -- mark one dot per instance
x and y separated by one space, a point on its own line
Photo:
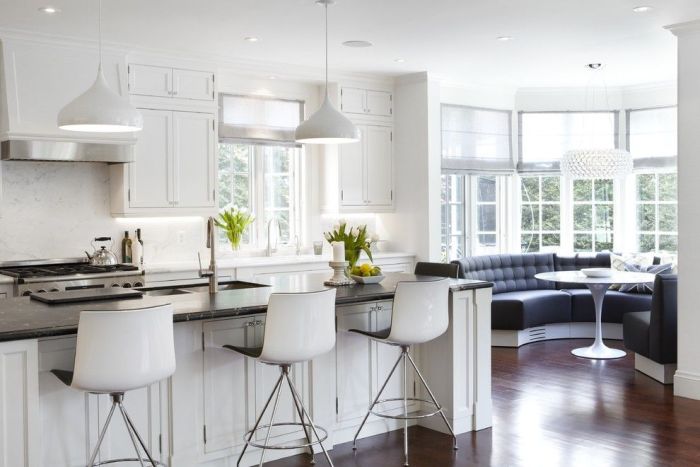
657 203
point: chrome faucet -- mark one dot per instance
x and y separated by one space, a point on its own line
270 248
298 245
212 272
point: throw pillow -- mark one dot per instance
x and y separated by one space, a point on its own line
618 262
645 288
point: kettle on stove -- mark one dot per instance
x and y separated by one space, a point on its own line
104 255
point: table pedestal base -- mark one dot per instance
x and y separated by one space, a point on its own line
601 351
598 349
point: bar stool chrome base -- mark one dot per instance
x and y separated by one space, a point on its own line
301 411
117 403
435 409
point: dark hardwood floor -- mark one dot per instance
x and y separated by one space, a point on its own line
553 409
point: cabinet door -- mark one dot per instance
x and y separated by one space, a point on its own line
351 171
150 175
353 100
353 364
191 84
226 381
378 162
379 103
147 80
194 154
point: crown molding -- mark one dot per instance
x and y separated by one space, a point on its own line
686 28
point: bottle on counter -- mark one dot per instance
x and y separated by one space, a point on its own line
137 250
143 249
126 248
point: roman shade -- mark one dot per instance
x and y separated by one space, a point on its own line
652 137
259 119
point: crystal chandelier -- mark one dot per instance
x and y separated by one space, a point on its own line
596 163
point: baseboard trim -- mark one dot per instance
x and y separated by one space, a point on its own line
686 384
502 338
663 373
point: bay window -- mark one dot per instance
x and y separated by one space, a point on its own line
540 213
259 164
657 212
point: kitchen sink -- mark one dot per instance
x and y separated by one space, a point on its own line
165 292
199 288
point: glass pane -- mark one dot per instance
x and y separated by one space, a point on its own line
487 240
646 217
225 190
668 187
582 190
486 189
551 217
583 242
282 217
240 157
530 217
646 187
603 190
530 243
647 243
277 159
604 217
668 242
583 217
551 240
668 218
486 217
603 241
550 189
530 191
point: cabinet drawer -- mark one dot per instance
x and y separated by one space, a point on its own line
147 80
379 103
352 100
191 84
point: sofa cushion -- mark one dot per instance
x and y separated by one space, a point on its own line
577 262
527 308
636 331
615 305
508 273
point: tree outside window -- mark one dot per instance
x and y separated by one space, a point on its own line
657 212
540 213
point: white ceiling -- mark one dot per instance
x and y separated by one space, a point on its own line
455 39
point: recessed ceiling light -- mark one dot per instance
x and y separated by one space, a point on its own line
504 38
251 39
357 44
642 8
399 60
49 10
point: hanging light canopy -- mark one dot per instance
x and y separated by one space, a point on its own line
596 163
99 109
327 125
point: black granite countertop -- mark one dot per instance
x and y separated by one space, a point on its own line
23 318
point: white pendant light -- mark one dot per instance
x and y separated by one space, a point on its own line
99 109
327 125
593 163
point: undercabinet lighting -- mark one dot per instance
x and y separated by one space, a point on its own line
251 39
504 38
400 60
159 220
642 9
49 10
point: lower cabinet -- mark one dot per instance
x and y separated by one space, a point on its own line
362 366
70 420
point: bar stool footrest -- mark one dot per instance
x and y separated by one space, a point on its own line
129 459
303 426
410 416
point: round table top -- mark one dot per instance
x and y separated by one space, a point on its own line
577 277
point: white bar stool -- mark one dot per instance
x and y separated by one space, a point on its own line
419 314
119 351
298 328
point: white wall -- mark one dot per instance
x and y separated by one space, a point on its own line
687 378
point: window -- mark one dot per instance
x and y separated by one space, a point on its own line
259 163
593 223
657 212
652 136
472 215
540 213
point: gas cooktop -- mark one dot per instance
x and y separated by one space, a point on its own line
56 270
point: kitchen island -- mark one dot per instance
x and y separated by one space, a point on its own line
199 416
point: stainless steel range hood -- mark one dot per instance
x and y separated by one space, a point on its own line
65 151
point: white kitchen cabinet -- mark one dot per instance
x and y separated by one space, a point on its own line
19 405
174 171
366 170
176 83
366 102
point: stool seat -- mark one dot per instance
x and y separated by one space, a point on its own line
380 335
253 352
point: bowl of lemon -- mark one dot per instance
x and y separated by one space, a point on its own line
366 274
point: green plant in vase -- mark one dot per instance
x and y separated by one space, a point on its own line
355 239
234 222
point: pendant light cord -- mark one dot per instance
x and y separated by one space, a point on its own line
99 32
326 8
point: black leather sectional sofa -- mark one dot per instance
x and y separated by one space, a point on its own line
521 302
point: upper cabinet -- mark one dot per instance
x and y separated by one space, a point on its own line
174 170
366 102
159 81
